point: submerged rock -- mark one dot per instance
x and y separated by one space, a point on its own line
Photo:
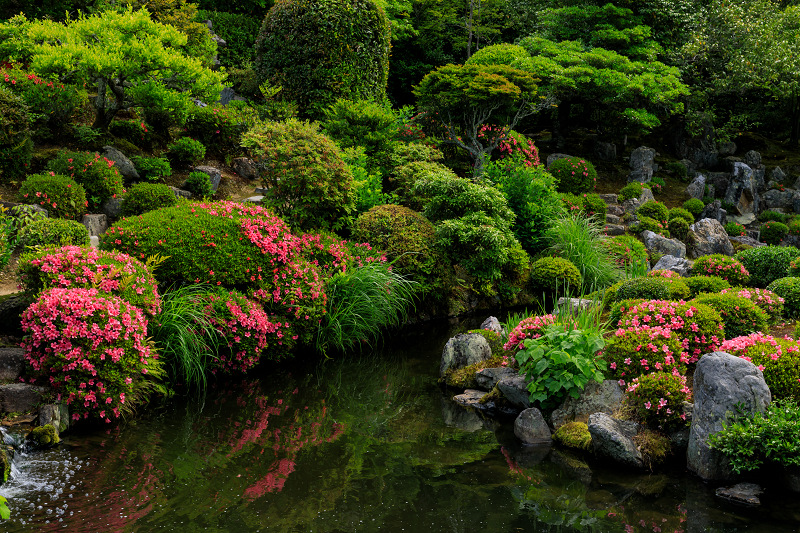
613 439
741 493
531 428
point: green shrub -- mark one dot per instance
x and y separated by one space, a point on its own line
239 31
144 197
308 182
94 172
135 132
578 239
60 195
53 231
219 129
767 301
741 316
657 184
554 274
773 232
694 206
794 267
657 400
766 263
368 186
728 268
337 49
650 224
16 148
653 288
655 210
778 359
22 215
574 175
362 123
7 239
186 152
710 284
679 228
788 288
677 168
735 230
594 206
574 435
626 250
773 216
152 168
199 184
634 352
679 212
632 190
405 177
619 308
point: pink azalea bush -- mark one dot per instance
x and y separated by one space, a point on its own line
512 145
529 328
657 399
698 326
91 349
727 268
768 301
639 350
72 267
669 274
778 359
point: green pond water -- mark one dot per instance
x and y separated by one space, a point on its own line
366 443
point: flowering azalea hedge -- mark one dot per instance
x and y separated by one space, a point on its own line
529 328
636 351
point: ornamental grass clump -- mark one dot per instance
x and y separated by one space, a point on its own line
578 239
768 301
92 350
730 269
633 352
657 400
778 359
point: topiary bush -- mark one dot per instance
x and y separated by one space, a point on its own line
574 175
94 172
53 231
308 183
679 228
734 229
320 51
741 316
657 400
63 197
650 224
710 284
778 359
16 148
773 232
767 301
111 273
730 269
679 212
653 288
199 184
766 263
91 349
554 274
186 152
632 190
788 288
633 352
152 168
655 210
694 206
144 197
626 250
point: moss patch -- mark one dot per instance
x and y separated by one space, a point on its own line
464 378
573 435
44 436
655 447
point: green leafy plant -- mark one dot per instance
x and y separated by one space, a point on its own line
767 301
651 224
657 184
63 197
773 232
186 152
199 184
694 206
574 174
626 250
777 358
766 263
710 284
677 168
679 228
653 288
368 186
144 197
53 231
362 123
560 363
152 168
555 275
773 216
655 210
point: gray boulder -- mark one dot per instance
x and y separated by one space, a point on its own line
214 173
777 174
749 241
478 400
122 163
678 265
742 494
609 198
723 384
752 158
613 219
245 168
662 245
742 191
20 397
11 314
12 361
641 163
612 230
96 224
464 350
605 397
613 439
775 198
719 181
487 378
706 237
605 151
714 210
515 390
697 187
492 324
55 414
646 196
531 428
180 193
726 148
112 208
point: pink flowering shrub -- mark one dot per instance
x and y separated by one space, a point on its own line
740 315
727 268
529 328
778 359
92 350
657 400
574 174
97 174
60 195
512 145
72 267
698 326
768 301
639 350
669 274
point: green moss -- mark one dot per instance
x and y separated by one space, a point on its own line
464 378
494 340
492 396
573 435
655 447
44 436
5 464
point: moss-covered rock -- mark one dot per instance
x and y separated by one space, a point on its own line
44 436
464 378
493 338
5 464
574 435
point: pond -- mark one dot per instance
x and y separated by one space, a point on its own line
365 443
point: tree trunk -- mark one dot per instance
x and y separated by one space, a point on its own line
469 29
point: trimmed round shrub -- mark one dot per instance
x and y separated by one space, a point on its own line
710 284
555 274
679 212
186 152
728 268
321 51
766 264
53 231
653 288
111 273
16 148
778 359
91 349
773 216
144 197
632 190
657 400
651 224
594 206
633 352
199 184
94 172
655 210
573 175
694 206
528 328
152 168
626 250
699 327
788 288
405 177
574 435
308 183
409 241
767 301
679 229
62 196
773 232
741 316
734 229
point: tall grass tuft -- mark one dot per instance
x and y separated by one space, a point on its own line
361 302
577 239
184 337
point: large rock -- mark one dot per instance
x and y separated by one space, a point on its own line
775 198
531 428
748 241
11 309
723 385
487 378
492 324
20 397
478 400
697 187
662 245
96 224
678 265
12 361
214 173
112 208
613 439
605 151
719 181
742 494
605 397
706 237
641 163
245 168
56 415
752 159
464 350
714 210
515 390
122 163
742 190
